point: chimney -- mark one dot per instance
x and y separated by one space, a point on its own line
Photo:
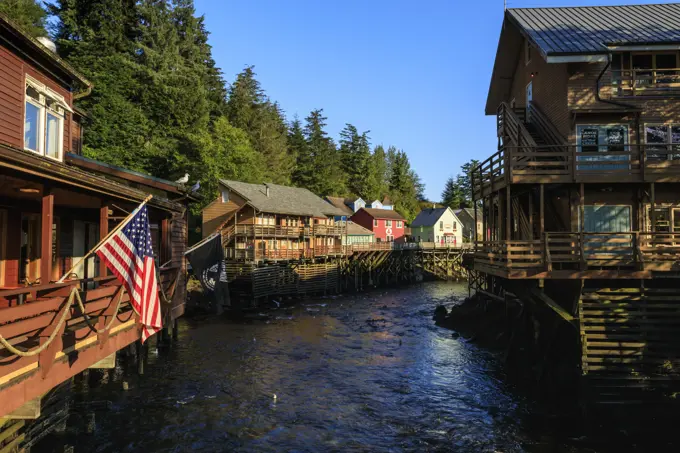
266 189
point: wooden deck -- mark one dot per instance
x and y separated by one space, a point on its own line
567 164
581 255
83 339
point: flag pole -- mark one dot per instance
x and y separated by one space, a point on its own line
111 233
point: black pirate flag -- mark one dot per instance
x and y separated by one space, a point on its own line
207 261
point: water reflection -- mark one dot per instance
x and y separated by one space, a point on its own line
359 373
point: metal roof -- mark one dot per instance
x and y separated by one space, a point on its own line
283 199
428 217
593 29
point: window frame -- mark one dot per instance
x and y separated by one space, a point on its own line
48 102
669 140
375 222
388 223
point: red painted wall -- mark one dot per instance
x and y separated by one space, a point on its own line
364 219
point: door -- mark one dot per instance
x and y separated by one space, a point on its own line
529 98
607 219
30 248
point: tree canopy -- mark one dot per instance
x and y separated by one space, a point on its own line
160 105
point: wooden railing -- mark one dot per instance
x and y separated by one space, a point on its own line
568 163
544 126
269 231
49 317
573 250
645 82
511 130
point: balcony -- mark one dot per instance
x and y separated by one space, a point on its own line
633 83
567 164
72 338
567 254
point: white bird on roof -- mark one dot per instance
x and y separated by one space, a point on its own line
184 179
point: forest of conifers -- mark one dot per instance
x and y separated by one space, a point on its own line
160 105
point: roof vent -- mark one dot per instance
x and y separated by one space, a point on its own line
266 189
45 41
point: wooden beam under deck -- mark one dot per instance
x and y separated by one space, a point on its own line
522 274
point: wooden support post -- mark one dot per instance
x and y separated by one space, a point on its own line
531 214
582 221
652 196
46 221
103 232
542 210
485 216
165 235
508 214
474 226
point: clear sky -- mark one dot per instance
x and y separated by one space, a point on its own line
414 73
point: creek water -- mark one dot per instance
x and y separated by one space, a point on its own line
368 372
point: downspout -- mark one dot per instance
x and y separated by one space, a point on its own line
597 87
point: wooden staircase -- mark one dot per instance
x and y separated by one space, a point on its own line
630 342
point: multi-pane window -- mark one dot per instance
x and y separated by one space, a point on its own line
375 222
44 112
661 139
388 223
441 225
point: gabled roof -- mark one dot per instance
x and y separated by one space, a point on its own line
23 42
594 29
354 229
578 34
468 211
429 217
282 199
341 204
388 214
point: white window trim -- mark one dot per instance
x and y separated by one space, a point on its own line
46 93
388 224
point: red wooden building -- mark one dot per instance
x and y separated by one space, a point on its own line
386 224
54 207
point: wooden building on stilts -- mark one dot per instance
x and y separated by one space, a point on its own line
581 201
55 206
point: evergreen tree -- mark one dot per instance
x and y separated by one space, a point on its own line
303 175
325 175
404 186
355 152
27 14
377 185
452 196
249 109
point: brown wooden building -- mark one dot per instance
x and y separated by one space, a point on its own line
581 200
273 222
54 207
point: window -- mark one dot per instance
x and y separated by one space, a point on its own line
601 138
389 238
375 222
527 52
661 140
44 112
400 224
441 225
225 196
455 225
388 223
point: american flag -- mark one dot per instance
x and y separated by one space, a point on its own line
128 254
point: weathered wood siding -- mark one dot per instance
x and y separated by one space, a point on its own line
178 245
217 212
13 70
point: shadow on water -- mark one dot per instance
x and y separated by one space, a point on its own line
369 372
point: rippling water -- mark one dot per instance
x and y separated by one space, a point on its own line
354 373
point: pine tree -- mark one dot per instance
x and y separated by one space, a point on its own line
355 153
249 109
27 14
325 174
377 185
303 175
452 195
405 186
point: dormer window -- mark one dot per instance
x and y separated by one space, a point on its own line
44 120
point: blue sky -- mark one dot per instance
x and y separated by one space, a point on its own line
415 74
